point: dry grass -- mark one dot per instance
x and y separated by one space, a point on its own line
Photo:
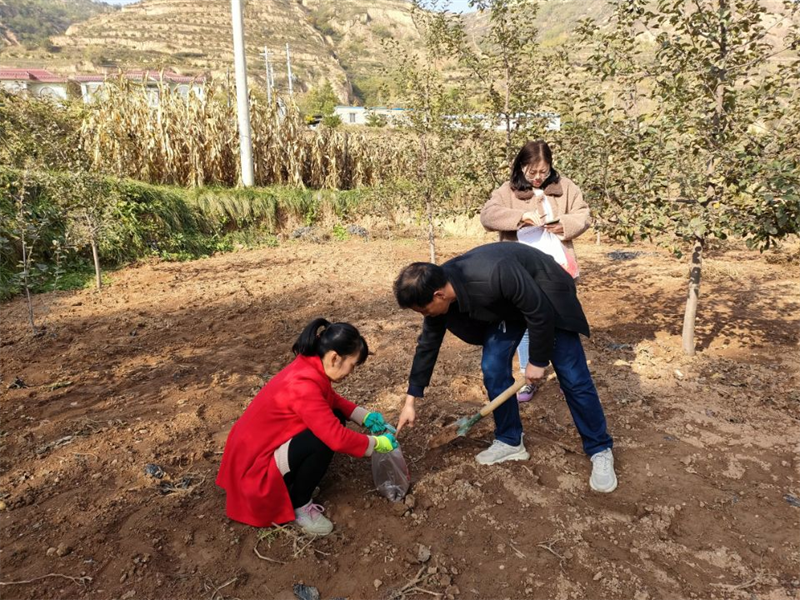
195 142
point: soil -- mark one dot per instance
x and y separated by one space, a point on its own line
155 368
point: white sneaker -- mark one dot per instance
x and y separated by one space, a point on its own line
310 519
500 452
603 478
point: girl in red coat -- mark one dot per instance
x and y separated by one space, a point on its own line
280 448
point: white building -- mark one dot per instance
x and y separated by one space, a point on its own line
36 82
44 84
150 80
359 115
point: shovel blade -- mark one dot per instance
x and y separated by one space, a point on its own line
452 431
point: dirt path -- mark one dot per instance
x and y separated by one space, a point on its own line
157 367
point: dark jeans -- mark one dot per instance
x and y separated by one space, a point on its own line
309 459
569 363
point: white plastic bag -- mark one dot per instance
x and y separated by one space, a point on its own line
541 239
390 473
550 244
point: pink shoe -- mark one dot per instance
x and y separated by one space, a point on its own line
526 392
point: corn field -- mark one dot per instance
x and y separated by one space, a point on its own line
194 141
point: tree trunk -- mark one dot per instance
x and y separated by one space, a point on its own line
506 108
96 263
431 236
26 283
424 177
690 315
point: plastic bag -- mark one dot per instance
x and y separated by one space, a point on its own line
390 474
550 244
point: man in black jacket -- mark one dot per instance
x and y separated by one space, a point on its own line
488 297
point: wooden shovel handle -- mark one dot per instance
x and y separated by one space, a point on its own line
515 387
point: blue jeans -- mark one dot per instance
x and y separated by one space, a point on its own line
569 363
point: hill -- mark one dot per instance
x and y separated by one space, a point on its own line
33 22
342 42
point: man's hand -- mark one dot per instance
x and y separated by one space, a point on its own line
407 415
534 374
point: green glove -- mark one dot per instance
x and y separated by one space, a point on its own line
385 443
375 423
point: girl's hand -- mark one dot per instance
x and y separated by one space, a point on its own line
385 443
375 422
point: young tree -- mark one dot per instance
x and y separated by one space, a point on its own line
607 138
33 217
510 67
430 107
715 87
89 206
719 108
322 101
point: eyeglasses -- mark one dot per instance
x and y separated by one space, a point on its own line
531 173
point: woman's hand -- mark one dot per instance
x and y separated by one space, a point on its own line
556 228
532 218
407 415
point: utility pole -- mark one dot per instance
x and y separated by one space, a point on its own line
272 79
268 75
242 100
289 69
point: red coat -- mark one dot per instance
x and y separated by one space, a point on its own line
299 397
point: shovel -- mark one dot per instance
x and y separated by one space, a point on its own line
464 424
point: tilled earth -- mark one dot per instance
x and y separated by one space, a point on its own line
155 369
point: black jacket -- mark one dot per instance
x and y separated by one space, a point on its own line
501 282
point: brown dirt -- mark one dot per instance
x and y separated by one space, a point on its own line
156 368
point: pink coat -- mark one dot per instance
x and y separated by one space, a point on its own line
503 212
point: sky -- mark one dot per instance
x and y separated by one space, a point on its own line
459 5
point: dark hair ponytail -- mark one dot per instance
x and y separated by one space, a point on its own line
321 336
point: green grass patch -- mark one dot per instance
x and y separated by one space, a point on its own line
142 220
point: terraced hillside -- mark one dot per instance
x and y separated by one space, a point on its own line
339 42
32 22
196 35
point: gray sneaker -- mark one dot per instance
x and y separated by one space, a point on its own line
310 519
603 478
500 452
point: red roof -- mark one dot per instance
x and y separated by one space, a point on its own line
40 75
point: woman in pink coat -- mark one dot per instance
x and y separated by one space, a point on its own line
537 199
